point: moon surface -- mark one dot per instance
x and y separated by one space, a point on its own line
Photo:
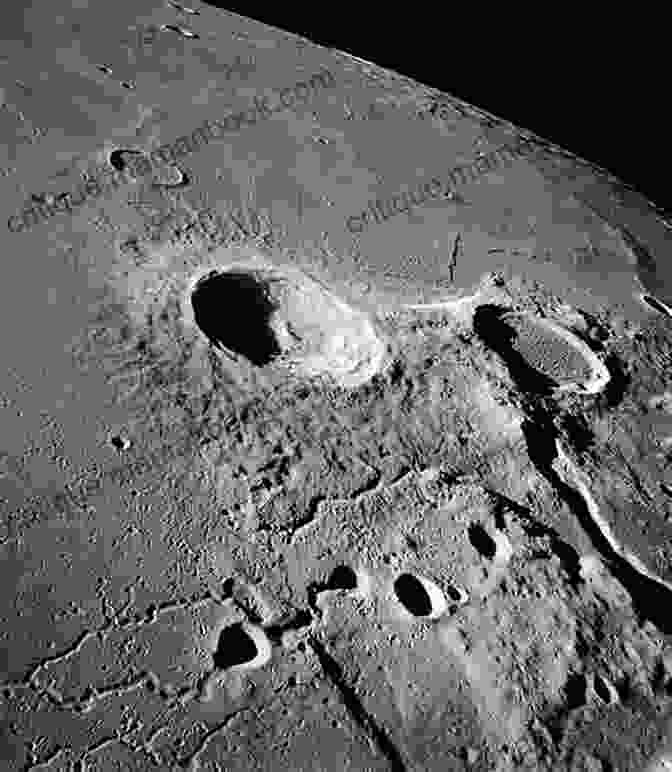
280 493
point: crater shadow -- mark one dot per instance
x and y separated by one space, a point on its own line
657 305
412 595
602 690
234 647
481 541
342 578
233 310
575 690
499 337
121 158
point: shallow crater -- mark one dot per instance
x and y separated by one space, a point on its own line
543 356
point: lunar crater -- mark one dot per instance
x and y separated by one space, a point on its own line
284 318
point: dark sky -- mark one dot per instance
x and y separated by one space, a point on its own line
595 85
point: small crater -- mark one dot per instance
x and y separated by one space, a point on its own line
412 595
182 31
481 541
119 442
184 9
121 158
235 647
170 177
455 594
575 691
624 689
233 310
604 690
342 578
657 305
227 587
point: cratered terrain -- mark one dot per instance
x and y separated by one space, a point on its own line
336 417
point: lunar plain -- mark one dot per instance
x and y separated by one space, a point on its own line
275 495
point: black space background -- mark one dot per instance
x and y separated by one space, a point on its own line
594 81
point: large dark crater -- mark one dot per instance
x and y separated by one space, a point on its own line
233 309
